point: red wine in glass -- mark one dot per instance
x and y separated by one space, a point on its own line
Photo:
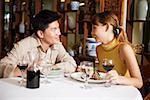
107 64
108 67
22 66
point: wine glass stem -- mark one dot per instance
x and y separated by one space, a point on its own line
46 79
22 78
107 84
86 85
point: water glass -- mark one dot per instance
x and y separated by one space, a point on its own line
46 69
88 70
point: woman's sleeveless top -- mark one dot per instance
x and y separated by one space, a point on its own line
111 51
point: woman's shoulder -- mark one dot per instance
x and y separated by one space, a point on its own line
124 45
125 48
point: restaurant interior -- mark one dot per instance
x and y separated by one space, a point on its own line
15 24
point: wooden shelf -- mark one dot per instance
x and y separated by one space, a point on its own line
15 9
144 53
138 21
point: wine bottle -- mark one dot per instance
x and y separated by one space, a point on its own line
22 24
33 72
33 77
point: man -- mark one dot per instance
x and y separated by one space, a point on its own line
45 41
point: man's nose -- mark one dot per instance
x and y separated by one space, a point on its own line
58 32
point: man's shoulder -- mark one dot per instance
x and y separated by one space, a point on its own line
28 42
28 39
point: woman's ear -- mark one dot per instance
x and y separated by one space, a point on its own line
40 34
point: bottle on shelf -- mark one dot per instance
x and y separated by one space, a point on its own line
75 5
80 49
22 24
142 9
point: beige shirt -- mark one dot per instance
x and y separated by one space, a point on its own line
56 55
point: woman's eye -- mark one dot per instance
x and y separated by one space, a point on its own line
93 27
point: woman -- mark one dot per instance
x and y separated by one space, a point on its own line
115 46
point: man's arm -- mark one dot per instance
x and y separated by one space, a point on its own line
66 61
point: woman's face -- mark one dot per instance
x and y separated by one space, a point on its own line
98 32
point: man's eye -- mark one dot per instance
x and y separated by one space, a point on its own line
53 29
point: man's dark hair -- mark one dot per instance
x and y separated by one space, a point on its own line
43 18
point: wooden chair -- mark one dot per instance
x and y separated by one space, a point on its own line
147 97
145 69
146 79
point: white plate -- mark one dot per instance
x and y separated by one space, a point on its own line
55 73
78 76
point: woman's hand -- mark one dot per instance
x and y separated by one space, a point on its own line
78 69
113 77
96 76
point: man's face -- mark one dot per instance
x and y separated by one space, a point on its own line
51 35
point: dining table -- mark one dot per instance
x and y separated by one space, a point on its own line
65 88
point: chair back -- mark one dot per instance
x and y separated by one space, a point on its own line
147 97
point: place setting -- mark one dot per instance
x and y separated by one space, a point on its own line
88 75
79 76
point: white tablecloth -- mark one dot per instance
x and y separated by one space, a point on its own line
66 89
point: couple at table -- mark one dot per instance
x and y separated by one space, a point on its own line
46 40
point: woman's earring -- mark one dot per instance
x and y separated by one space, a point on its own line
117 31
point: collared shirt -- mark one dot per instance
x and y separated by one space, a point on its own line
56 55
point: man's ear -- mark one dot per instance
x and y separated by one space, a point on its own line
40 34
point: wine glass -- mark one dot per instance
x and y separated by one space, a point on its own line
34 56
22 65
45 69
88 70
107 65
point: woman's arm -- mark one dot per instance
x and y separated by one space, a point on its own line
128 56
